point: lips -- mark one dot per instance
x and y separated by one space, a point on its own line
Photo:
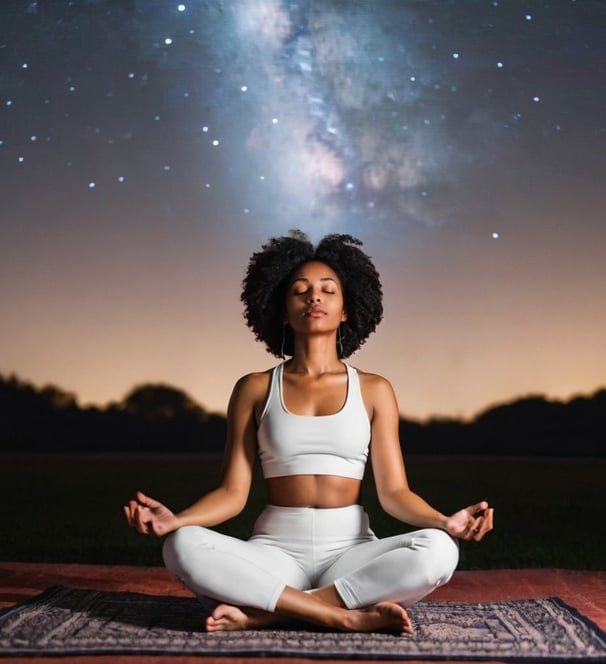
314 313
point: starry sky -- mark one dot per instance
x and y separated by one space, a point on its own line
148 147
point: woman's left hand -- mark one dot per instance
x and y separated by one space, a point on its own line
470 523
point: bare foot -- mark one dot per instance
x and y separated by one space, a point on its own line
229 618
382 617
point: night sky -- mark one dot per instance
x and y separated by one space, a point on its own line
148 147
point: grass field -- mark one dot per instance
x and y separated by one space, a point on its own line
548 513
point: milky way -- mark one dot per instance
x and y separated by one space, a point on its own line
339 114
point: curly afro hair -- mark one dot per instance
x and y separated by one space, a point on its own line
268 275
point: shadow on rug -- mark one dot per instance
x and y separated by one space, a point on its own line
69 621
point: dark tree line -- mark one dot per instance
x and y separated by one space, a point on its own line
531 426
151 418
156 418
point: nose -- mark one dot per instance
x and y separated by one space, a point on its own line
314 297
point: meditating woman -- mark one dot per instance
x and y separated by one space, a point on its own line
312 420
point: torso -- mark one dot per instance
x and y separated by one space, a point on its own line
312 491
312 396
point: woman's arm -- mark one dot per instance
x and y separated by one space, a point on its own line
149 516
394 493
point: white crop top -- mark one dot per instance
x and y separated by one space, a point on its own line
335 444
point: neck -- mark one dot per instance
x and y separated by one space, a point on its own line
315 356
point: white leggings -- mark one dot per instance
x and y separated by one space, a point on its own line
307 548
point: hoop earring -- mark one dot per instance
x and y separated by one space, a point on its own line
283 341
339 342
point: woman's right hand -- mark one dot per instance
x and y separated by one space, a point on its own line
149 516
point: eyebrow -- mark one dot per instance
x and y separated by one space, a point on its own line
307 279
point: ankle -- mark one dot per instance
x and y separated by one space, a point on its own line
329 595
349 620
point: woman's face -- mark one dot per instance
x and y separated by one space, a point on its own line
314 299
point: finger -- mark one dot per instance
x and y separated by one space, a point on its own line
473 526
141 497
478 507
486 525
488 522
479 530
470 530
128 515
146 500
130 512
143 520
469 533
133 506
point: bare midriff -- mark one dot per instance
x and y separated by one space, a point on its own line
313 491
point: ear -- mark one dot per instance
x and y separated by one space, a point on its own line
343 316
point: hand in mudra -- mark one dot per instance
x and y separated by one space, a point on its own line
471 523
149 516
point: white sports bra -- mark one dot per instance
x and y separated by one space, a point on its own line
335 444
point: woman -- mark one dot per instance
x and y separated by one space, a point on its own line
312 420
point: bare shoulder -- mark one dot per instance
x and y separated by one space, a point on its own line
251 388
376 389
374 383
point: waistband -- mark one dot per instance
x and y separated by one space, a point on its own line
351 520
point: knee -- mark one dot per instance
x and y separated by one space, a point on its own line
441 553
177 547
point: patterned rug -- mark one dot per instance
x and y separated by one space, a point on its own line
68 621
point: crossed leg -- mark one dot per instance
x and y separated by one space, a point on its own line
261 585
315 607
